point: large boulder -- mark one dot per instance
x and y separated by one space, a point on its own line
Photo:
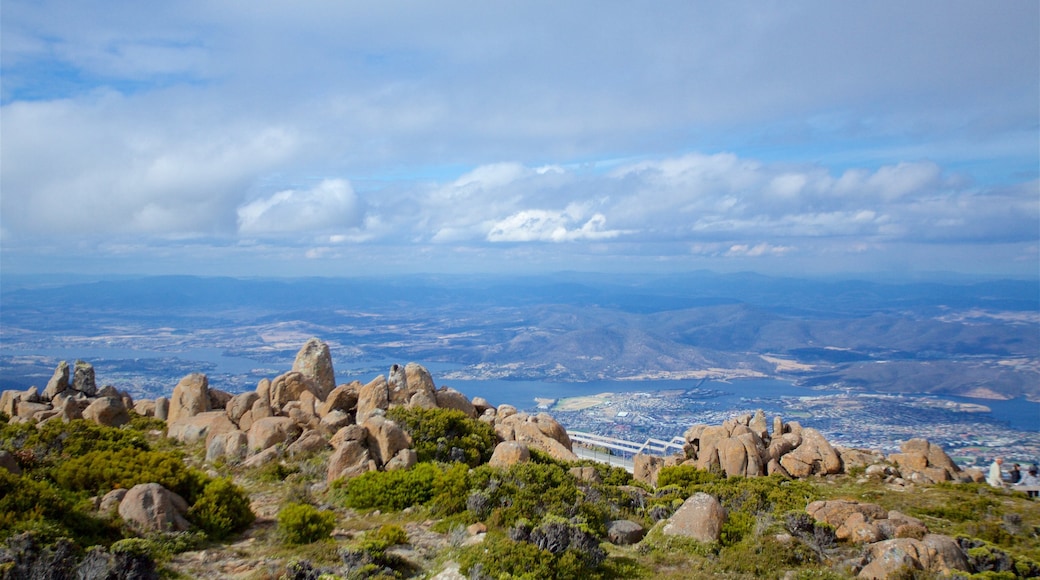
107 411
239 405
385 438
232 446
933 554
448 398
59 381
646 468
200 427
271 431
411 385
351 457
700 518
814 456
150 507
372 397
190 397
343 398
509 453
292 386
83 378
314 362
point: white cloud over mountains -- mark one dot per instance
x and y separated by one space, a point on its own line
731 131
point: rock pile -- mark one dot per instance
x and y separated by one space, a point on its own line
64 399
745 446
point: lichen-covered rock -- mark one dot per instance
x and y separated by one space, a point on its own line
83 378
448 398
350 459
291 387
59 381
343 398
385 438
624 532
372 397
310 441
200 427
270 431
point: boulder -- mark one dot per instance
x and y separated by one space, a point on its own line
372 397
150 507
834 512
934 554
145 408
700 517
239 405
314 362
59 381
482 405
310 441
219 399
107 411
162 408
348 433
448 398
200 427
343 398
110 502
27 410
232 446
506 410
533 431
733 457
646 468
624 532
814 456
190 397
83 378
350 459
758 425
290 387
586 473
411 385
334 421
405 459
270 431
385 438
263 458
508 453
9 402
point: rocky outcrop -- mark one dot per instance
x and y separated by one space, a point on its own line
83 378
700 518
58 383
934 553
314 362
150 507
190 397
924 462
108 411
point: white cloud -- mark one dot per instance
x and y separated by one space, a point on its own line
332 204
537 225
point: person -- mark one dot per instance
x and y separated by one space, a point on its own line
996 476
1015 474
1030 478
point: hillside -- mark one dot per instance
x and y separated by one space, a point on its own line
397 478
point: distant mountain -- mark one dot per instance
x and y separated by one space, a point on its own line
973 338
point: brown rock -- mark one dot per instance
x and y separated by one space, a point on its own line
334 421
700 518
646 468
385 438
310 441
27 410
508 453
410 385
314 362
857 530
405 459
733 457
233 446
814 455
448 398
266 456
270 431
586 473
59 381
199 427
9 402
145 408
624 532
107 411
290 387
83 378
350 459
948 555
150 507
219 399
348 433
372 397
343 398
506 410
109 504
239 404
162 408
190 397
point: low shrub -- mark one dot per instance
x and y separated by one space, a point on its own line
446 435
30 505
101 471
222 509
388 490
300 523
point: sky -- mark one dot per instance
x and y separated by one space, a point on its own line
363 138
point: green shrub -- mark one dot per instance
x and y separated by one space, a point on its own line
452 487
685 477
222 509
300 523
446 435
500 557
101 471
30 505
388 490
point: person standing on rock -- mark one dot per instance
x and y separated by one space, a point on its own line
996 476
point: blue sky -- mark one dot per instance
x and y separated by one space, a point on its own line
340 138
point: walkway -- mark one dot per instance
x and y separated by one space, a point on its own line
619 452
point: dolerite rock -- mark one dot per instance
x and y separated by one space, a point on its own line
232 446
190 397
411 385
110 502
385 438
107 411
935 554
150 507
219 399
372 397
928 459
405 459
9 402
814 456
83 378
343 398
291 387
509 453
351 457
448 398
624 532
59 381
646 468
310 441
200 427
162 408
700 518
145 408
315 362
539 431
239 405
271 431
